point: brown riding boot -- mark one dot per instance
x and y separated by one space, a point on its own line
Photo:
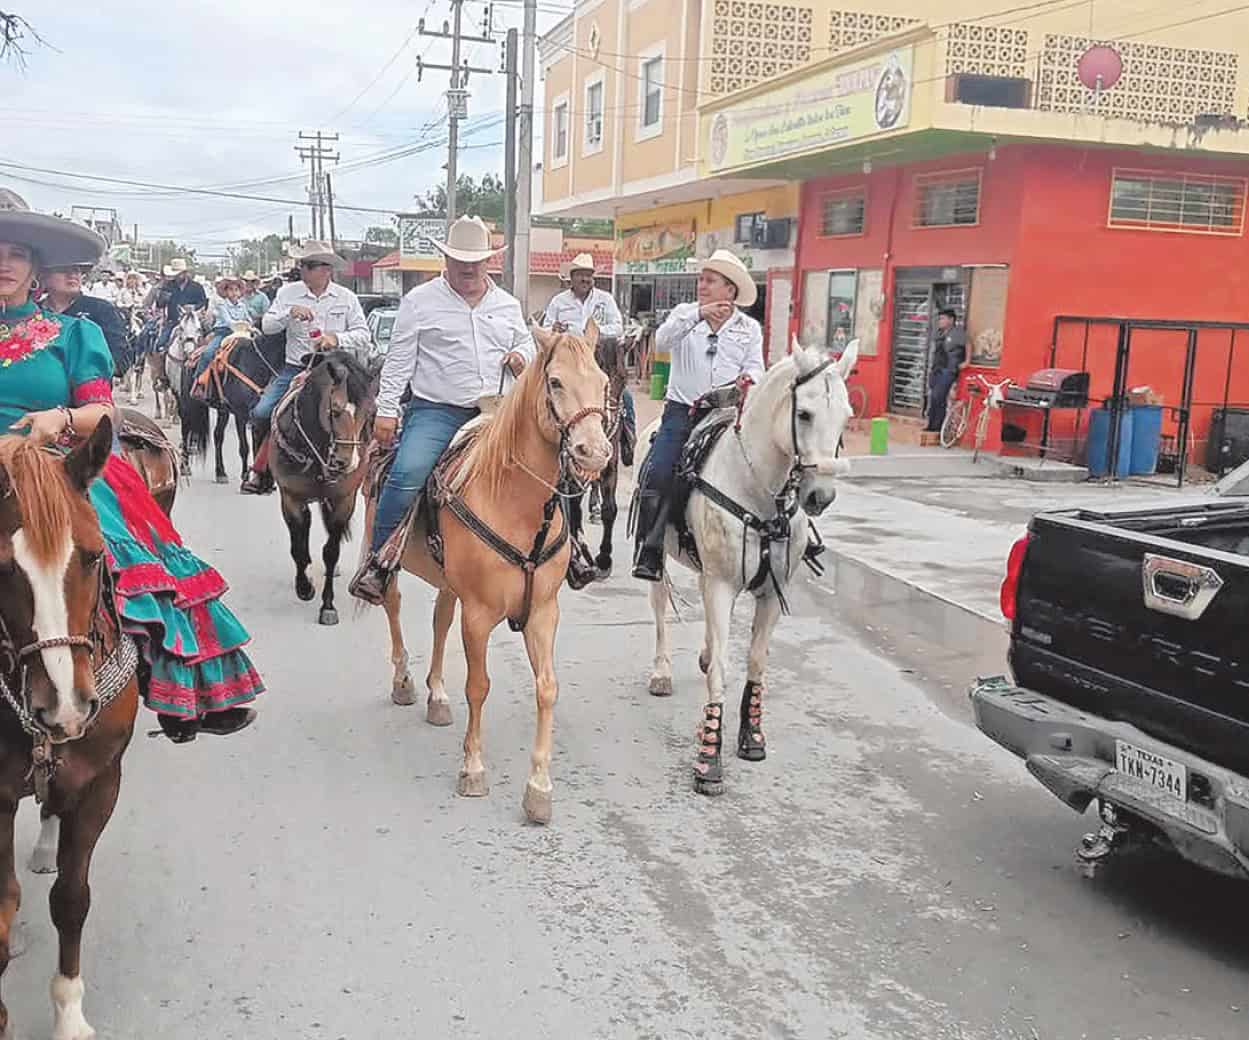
371 581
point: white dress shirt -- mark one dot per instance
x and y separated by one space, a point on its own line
696 367
599 305
336 310
449 352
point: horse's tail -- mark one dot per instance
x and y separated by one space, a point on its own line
196 421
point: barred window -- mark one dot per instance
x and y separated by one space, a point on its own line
843 212
1195 203
947 199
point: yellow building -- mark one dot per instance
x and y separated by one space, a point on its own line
693 124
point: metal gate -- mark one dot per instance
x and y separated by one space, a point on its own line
915 306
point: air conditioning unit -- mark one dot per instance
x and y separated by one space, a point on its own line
770 234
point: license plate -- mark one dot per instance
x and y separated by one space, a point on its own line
1154 769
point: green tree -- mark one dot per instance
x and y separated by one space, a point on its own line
473 198
259 254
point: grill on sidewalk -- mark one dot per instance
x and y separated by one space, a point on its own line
1048 390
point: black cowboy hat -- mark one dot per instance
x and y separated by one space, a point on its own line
56 241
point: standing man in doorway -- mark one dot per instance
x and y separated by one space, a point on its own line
949 354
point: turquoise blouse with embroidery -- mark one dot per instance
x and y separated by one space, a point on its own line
48 360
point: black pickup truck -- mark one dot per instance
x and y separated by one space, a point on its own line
1130 655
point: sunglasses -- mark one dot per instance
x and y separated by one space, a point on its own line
713 342
312 265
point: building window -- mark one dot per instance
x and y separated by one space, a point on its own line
1177 202
651 90
947 199
843 289
843 213
559 132
594 116
744 226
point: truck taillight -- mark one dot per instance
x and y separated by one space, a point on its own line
1010 584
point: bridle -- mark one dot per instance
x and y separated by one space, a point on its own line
330 469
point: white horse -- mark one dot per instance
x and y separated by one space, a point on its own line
748 516
182 343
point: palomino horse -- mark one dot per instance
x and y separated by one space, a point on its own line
242 368
69 692
504 543
748 517
315 456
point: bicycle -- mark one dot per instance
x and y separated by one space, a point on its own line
958 414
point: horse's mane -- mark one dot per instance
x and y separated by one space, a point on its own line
43 498
494 447
779 375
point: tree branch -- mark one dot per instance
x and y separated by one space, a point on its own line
16 38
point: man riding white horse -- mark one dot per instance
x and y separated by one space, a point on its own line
453 340
713 343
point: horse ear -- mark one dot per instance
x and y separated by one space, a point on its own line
543 337
591 333
86 462
794 346
849 357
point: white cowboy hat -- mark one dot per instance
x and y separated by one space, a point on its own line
315 249
730 267
468 241
56 242
175 267
581 262
250 276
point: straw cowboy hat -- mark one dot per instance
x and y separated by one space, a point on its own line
468 241
320 252
728 266
56 242
581 262
250 276
226 279
175 267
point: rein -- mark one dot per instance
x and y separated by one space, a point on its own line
330 470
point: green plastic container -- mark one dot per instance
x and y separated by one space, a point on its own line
659 386
879 443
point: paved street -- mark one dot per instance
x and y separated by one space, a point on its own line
887 873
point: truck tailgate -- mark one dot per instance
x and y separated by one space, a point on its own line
1085 633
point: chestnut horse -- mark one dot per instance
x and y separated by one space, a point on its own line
498 507
61 736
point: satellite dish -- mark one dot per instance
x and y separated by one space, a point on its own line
1100 67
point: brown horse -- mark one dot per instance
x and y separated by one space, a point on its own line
315 456
498 507
68 685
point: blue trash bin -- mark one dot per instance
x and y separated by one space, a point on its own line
1099 443
1146 438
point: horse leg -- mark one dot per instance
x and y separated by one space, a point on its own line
609 512
240 431
750 742
475 631
298 519
402 691
437 705
540 643
219 439
43 857
10 899
718 598
70 898
661 674
336 520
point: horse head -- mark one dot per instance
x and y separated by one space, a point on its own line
809 421
338 401
51 556
575 388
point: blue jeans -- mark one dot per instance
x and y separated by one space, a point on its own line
278 386
626 406
674 430
428 429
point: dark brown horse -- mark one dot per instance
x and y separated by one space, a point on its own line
68 692
316 454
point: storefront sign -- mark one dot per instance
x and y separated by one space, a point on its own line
839 105
660 249
418 234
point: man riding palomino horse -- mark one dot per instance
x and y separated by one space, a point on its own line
180 289
316 314
455 340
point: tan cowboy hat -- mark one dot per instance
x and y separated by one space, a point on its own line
729 266
468 241
581 262
250 276
56 242
175 267
226 279
314 249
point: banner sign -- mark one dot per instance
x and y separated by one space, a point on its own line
849 103
417 235
661 249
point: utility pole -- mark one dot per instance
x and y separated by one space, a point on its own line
329 195
509 162
457 95
316 154
524 161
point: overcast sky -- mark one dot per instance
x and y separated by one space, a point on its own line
213 94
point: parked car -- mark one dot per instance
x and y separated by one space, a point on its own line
381 325
1131 672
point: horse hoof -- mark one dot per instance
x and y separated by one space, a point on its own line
661 686
711 788
472 785
42 861
403 692
602 573
438 713
221 478
328 616
304 590
704 662
752 754
537 804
